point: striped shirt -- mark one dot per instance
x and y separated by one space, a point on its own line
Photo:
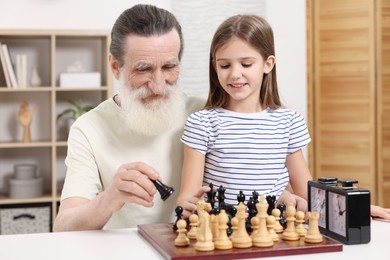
246 152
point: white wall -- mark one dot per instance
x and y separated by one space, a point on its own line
286 17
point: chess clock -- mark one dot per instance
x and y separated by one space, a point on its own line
348 212
317 199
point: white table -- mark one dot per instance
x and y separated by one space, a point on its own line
128 244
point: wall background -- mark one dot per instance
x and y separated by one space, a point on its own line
288 19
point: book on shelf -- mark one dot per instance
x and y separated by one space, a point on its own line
4 68
21 70
10 68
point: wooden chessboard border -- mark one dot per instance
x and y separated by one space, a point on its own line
161 236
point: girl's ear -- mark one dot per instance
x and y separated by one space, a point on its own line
269 64
114 66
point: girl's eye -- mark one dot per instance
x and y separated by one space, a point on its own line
224 66
246 65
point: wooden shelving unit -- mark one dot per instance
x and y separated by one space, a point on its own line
52 52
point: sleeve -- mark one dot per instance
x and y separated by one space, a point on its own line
196 132
82 176
299 134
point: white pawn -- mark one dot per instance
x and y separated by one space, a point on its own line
270 226
255 225
181 239
194 222
290 233
300 216
278 227
214 226
223 241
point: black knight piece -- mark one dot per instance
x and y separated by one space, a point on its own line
164 190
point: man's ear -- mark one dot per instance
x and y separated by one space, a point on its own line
269 64
114 65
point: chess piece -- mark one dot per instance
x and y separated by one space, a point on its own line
234 223
182 239
282 219
300 216
164 190
252 212
255 196
211 199
271 199
194 223
313 234
255 225
290 233
179 214
25 118
214 226
276 213
204 236
271 221
221 198
223 241
262 238
241 238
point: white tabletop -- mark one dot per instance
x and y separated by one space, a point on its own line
128 244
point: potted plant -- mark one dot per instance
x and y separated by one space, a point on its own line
77 109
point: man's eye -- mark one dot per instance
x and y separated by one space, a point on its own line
170 67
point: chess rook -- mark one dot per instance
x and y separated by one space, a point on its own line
164 190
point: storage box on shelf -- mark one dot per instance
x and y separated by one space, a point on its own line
51 53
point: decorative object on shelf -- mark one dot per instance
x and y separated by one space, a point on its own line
75 111
76 76
35 79
25 183
25 118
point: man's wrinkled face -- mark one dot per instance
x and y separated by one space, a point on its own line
152 63
148 94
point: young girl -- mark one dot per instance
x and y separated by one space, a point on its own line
243 139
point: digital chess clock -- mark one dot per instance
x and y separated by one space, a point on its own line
344 209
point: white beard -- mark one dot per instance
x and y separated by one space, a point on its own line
153 117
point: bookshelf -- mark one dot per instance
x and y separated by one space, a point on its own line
52 53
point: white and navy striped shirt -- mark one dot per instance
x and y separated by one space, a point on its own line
246 152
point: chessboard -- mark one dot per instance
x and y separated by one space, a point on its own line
161 237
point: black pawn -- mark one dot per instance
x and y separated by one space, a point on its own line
164 190
241 197
179 215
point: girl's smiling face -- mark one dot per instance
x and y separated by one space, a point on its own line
240 69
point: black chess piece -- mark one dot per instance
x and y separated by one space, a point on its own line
255 196
282 219
211 195
241 197
221 198
231 212
271 199
252 212
164 190
179 215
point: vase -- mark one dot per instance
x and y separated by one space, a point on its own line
35 79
